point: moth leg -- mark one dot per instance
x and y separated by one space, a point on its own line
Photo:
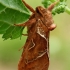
32 45
29 22
25 34
29 7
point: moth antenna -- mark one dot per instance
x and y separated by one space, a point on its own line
52 5
29 7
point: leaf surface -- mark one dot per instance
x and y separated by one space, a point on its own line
12 12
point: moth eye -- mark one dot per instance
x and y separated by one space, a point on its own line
52 27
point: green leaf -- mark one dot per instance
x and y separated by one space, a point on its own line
13 32
12 12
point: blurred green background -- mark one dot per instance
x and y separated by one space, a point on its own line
59 44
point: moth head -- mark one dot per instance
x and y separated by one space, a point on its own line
47 15
50 21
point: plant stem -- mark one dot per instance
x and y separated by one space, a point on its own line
67 10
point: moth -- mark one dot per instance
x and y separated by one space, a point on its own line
35 55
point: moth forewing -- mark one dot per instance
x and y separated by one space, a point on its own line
35 55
